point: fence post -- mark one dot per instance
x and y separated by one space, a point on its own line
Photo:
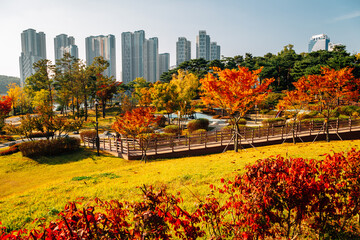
205 139
267 135
259 133
172 143
272 129
221 138
121 145
350 123
253 134
104 143
110 144
128 149
189 138
337 125
155 146
216 133
282 132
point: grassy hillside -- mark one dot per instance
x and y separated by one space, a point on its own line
5 81
39 188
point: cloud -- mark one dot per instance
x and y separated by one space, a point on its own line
348 16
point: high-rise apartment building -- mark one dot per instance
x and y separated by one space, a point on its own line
151 59
203 45
183 50
164 63
140 57
319 42
127 51
214 51
104 46
64 44
139 40
33 49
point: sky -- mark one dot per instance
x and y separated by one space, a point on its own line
238 26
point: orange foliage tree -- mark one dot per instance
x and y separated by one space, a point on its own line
294 101
236 90
328 90
139 124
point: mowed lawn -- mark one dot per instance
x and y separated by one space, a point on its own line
40 188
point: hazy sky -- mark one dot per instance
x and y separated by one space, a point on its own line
238 26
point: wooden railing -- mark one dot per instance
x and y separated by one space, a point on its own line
248 135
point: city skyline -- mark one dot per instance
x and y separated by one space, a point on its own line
239 27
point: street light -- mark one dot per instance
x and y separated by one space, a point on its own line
97 128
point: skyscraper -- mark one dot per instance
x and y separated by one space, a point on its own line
151 58
102 46
139 57
214 51
127 51
164 63
33 49
132 45
139 40
64 44
183 50
319 42
203 45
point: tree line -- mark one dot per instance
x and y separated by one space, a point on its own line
285 67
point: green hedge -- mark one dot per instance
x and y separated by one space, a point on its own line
173 129
273 121
49 147
201 123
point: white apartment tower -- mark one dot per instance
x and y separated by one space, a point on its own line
203 45
319 42
151 59
140 57
183 50
64 44
164 63
214 51
104 46
33 49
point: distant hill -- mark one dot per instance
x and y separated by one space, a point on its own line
5 81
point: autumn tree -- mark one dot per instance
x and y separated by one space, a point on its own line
236 90
106 88
14 92
294 101
5 108
329 90
139 124
164 97
186 87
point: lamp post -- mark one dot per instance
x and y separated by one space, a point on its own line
97 128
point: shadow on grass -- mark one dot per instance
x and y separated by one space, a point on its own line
81 154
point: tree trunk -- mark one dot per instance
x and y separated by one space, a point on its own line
86 107
327 130
103 108
236 139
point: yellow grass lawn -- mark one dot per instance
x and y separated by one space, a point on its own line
32 189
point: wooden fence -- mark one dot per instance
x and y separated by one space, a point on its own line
129 148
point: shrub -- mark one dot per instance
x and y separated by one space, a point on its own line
349 110
49 147
199 131
242 121
273 121
6 138
174 129
91 134
201 123
12 149
41 134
